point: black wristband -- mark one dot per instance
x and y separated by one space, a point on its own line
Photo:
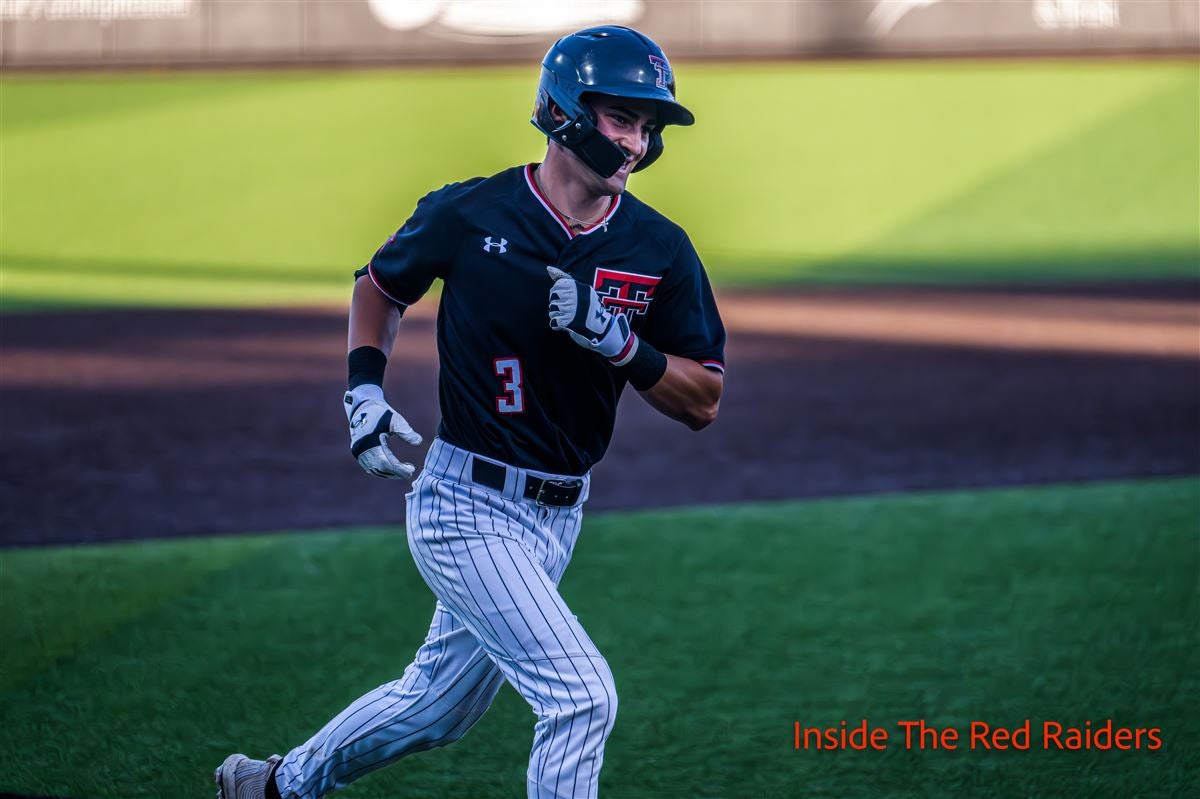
366 366
645 368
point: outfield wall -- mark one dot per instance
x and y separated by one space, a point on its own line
71 33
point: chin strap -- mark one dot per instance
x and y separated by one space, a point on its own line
579 135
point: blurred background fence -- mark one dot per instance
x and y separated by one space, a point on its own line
75 33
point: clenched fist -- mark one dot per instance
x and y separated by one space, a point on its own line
372 420
576 308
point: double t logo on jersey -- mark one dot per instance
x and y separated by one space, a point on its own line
625 292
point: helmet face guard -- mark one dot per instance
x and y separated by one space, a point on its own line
579 135
613 61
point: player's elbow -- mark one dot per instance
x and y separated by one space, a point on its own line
701 416
702 411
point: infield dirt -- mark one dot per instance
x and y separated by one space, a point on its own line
155 423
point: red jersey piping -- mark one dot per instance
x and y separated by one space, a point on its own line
613 203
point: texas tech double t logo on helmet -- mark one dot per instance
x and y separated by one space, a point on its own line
609 60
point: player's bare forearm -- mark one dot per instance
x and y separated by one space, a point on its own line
374 319
687 392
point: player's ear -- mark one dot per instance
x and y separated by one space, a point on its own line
557 113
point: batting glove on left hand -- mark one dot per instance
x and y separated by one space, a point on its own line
576 308
371 421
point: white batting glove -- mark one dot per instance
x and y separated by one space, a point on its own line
576 308
372 420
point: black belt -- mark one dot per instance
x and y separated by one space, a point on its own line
559 493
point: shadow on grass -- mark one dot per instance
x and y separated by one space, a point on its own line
1176 264
729 270
138 282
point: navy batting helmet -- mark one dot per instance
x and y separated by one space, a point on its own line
609 60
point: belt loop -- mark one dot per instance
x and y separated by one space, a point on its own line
514 480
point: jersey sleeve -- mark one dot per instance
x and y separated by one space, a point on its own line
408 262
684 320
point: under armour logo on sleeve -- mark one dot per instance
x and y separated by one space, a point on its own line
501 246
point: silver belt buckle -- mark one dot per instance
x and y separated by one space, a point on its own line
565 485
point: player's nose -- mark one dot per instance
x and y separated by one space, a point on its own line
635 146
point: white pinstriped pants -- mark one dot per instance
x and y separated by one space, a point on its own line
494 561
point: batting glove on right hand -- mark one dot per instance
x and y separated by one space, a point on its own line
371 421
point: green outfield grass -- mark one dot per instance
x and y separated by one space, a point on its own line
267 188
131 670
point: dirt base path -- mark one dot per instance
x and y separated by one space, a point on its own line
121 425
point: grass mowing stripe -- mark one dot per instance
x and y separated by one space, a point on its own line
219 174
722 625
202 672
60 601
1069 186
1063 212
854 151
973 269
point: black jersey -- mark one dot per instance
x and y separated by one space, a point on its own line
510 387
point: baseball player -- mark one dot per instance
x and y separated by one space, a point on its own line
558 289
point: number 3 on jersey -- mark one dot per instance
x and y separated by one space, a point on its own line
509 369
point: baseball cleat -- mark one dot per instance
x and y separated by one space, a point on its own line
239 777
